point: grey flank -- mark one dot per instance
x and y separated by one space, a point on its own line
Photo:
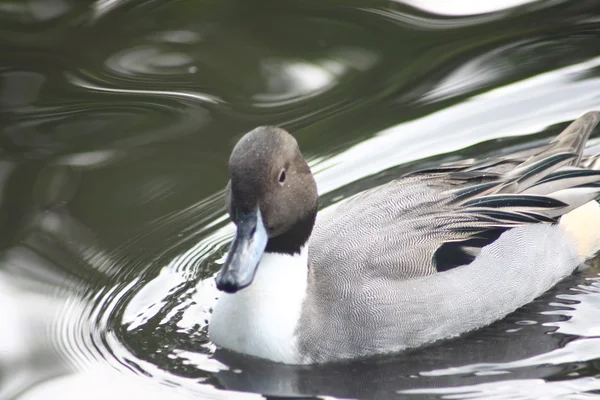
375 284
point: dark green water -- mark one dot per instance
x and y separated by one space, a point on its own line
116 123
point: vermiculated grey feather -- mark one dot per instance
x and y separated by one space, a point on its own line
377 248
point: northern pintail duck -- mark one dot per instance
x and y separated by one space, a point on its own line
428 256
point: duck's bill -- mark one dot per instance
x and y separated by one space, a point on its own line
245 253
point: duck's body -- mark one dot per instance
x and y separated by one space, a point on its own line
425 257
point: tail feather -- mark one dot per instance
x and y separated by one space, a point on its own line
575 136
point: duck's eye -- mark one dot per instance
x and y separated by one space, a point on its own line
282 176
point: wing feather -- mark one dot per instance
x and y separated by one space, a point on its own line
437 219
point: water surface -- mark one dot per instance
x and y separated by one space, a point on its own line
116 123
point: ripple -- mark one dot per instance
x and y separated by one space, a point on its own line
102 7
289 81
576 351
102 382
478 72
28 350
164 301
149 60
523 389
38 11
95 338
431 23
582 314
191 55
178 36
83 323
89 128
83 83
192 309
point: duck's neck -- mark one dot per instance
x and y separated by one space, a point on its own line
295 239
281 270
261 319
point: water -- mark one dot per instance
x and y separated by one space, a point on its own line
116 123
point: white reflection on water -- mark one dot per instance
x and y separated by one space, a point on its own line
151 298
103 7
29 312
518 109
288 81
464 7
88 159
103 382
477 72
143 60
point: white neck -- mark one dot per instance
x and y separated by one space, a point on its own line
261 319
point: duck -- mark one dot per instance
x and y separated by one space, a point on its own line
428 256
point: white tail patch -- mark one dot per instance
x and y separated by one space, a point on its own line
583 226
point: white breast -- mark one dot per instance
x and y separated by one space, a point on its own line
261 319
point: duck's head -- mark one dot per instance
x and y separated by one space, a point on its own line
271 198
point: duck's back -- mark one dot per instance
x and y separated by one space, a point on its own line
440 252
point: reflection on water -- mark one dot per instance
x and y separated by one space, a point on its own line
464 7
117 120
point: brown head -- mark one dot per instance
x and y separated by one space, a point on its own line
271 197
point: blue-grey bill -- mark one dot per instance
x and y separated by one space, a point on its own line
245 253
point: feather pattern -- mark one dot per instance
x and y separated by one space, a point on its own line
456 203
403 264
